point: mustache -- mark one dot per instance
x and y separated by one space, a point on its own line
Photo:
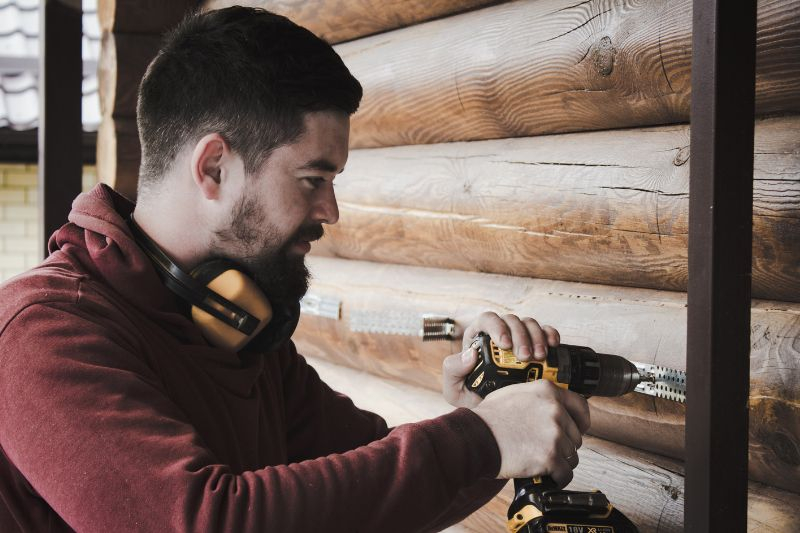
312 232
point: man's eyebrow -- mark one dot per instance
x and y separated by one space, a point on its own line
320 164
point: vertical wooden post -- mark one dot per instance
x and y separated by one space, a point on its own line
720 244
60 128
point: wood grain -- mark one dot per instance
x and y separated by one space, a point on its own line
643 325
123 61
142 16
647 488
118 155
342 20
602 207
545 66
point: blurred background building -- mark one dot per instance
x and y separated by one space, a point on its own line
19 120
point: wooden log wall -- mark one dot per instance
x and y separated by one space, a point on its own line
647 487
546 66
132 31
342 20
643 325
577 207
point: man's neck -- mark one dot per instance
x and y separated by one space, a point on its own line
172 224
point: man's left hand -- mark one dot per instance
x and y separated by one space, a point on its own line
524 336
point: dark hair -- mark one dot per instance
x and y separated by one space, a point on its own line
245 73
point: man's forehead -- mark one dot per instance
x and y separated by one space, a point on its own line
323 145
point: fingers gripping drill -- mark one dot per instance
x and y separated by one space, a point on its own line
538 505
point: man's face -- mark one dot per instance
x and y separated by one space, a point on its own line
283 206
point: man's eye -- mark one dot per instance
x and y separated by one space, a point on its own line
315 181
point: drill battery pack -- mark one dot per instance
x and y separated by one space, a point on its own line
564 511
571 524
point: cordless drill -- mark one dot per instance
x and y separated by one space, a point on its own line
538 505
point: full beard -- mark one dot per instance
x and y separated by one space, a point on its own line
281 276
256 245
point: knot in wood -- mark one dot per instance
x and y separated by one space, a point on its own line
784 448
603 56
674 492
681 157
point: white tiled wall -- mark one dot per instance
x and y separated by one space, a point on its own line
19 216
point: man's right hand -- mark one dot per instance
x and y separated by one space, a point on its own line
538 428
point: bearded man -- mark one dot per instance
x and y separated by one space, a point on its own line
121 409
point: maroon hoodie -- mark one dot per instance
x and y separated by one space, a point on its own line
116 415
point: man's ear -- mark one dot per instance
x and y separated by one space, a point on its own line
207 164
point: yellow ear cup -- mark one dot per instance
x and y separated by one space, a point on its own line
238 288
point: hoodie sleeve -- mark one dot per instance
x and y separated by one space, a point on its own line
323 421
95 435
320 420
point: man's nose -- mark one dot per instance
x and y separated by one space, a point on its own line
326 210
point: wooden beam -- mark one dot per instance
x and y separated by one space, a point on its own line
721 214
60 127
535 67
124 58
23 146
132 33
118 155
643 325
342 21
647 487
141 16
576 207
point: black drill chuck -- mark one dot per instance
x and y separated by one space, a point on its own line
594 374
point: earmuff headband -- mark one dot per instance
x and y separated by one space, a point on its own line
190 289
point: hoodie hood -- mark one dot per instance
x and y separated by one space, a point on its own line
98 237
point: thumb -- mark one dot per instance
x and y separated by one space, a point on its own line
457 366
454 369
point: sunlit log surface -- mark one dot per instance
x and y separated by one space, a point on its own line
642 325
343 20
607 207
545 66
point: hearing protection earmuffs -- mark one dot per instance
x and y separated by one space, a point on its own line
226 304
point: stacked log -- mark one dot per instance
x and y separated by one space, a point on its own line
339 21
539 67
578 207
132 31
